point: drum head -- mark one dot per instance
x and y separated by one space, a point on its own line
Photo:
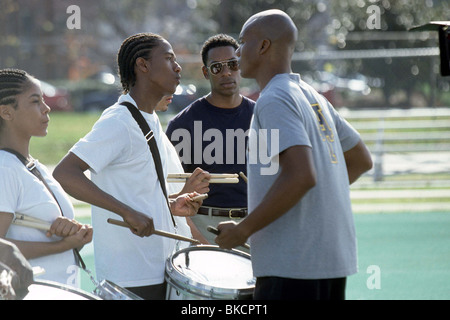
49 290
212 272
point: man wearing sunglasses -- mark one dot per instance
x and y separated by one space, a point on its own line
217 125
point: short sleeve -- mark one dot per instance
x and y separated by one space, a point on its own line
348 136
104 144
284 124
9 190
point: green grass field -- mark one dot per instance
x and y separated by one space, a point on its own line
65 129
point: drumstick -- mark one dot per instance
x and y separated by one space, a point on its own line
200 197
216 232
156 232
243 176
213 175
212 180
30 222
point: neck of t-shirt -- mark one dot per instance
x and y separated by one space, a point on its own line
228 102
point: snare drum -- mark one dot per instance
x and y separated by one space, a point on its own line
108 290
49 290
209 273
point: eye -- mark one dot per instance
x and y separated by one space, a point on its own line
233 65
216 68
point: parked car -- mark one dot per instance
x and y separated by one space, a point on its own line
58 99
183 96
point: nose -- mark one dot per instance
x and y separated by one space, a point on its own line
226 69
45 107
178 67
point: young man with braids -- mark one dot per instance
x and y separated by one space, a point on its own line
124 179
223 111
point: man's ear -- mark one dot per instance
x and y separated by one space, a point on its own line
142 64
265 45
6 112
205 72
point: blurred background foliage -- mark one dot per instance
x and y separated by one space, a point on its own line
82 61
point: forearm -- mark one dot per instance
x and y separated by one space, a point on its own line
296 178
85 190
281 197
74 182
358 161
32 250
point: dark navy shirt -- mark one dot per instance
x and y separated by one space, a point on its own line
214 139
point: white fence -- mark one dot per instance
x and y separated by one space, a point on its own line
420 134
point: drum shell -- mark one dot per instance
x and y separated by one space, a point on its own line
181 287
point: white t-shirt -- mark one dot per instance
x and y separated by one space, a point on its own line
122 165
22 192
174 165
316 238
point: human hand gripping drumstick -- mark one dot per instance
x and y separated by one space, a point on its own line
217 232
155 232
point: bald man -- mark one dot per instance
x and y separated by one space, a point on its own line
300 222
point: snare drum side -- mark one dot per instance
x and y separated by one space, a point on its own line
209 273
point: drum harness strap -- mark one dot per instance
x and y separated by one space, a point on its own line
31 166
148 134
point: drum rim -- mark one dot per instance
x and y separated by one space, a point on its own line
67 288
122 290
176 279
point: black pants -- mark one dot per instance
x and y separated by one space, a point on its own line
275 288
154 292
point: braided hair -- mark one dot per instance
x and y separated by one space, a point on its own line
132 48
13 82
219 40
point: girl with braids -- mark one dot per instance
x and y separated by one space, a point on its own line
124 180
24 114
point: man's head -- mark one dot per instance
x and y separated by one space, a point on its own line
267 40
150 57
220 65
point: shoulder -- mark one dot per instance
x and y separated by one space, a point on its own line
116 116
11 169
248 103
9 161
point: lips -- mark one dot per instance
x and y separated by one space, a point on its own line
228 84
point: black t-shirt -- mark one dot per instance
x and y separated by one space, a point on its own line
214 139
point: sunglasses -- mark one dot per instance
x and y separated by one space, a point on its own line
217 67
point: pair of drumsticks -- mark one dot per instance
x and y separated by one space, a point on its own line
215 177
31 222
